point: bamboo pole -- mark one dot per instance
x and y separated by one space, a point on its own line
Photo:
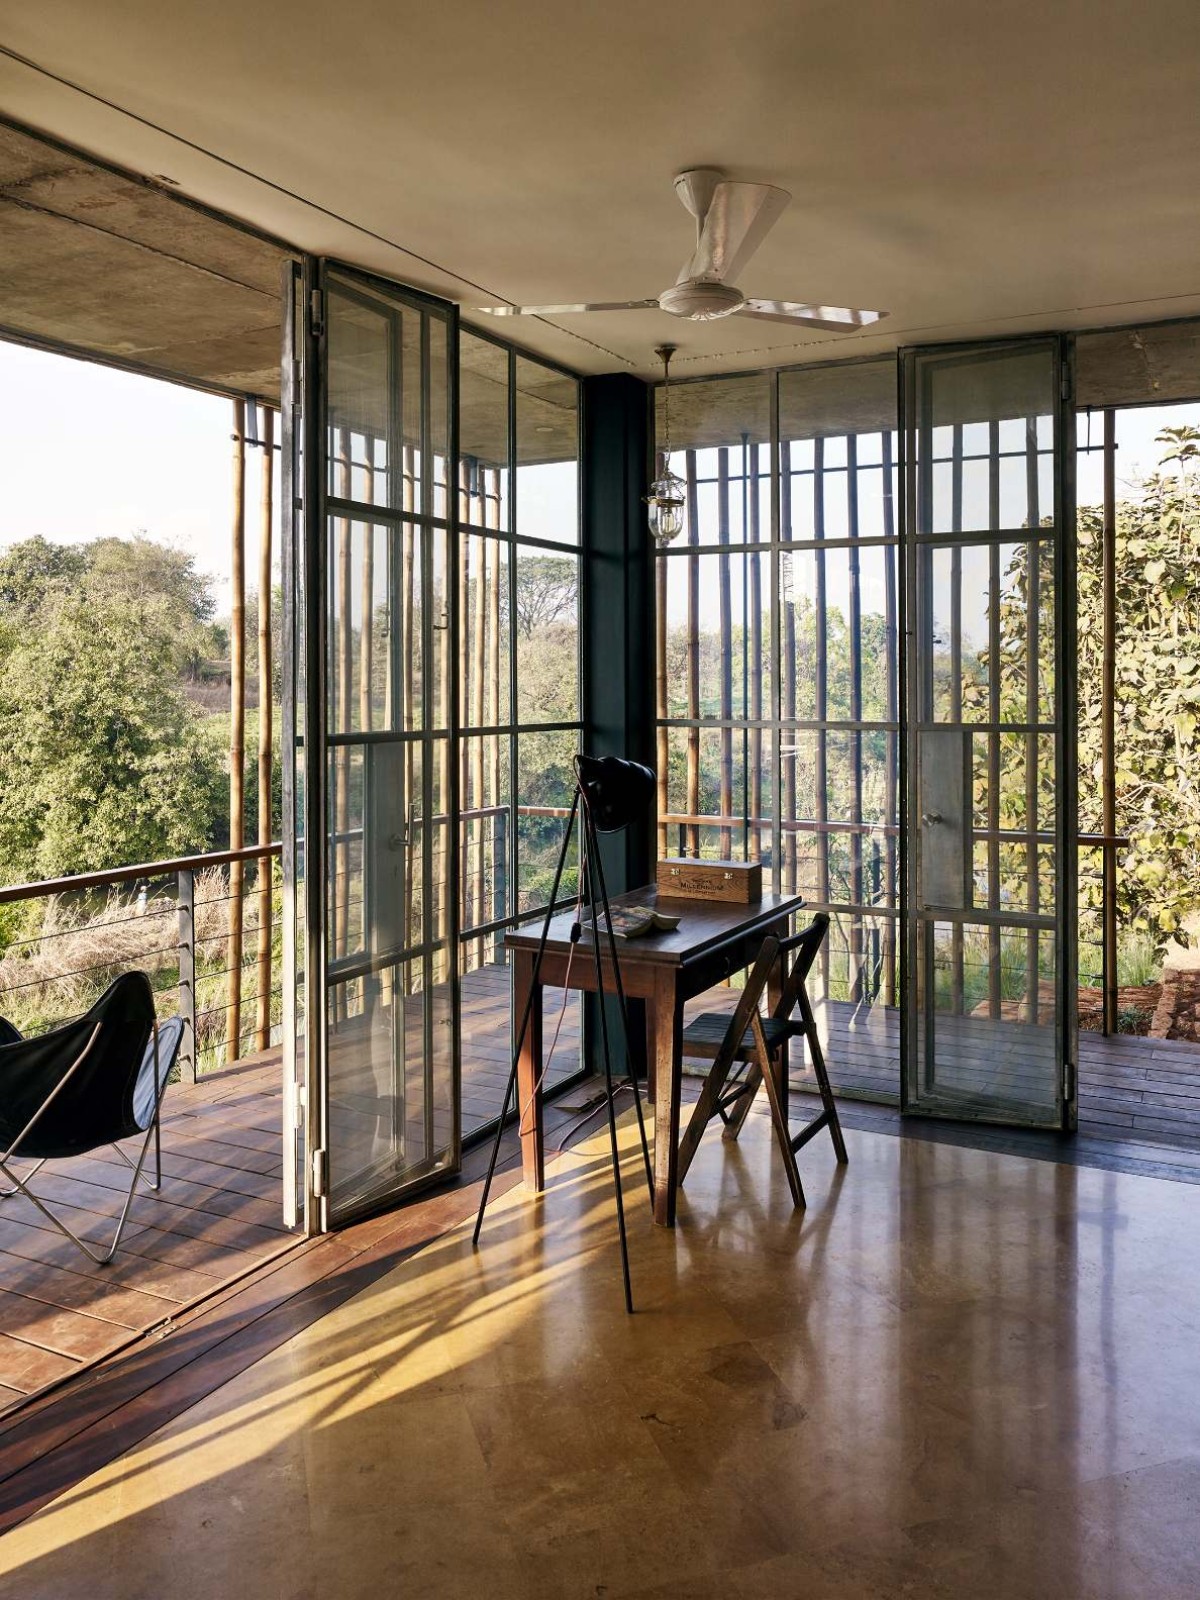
726 637
957 962
443 667
890 768
821 707
343 647
662 740
791 846
366 595
499 867
693 648
479 674
405 649
995 995
756 663
857 927
262 1032
466 798
1032 696
1108 724
237 732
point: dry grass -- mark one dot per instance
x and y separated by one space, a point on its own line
80 948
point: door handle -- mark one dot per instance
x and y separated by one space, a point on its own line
930 817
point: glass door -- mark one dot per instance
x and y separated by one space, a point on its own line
376 860
988 894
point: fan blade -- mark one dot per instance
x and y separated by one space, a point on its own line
737 221
837 319
559 311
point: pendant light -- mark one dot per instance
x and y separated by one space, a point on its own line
666 499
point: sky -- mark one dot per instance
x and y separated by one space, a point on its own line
1137 457
89 451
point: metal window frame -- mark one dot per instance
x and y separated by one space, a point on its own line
1065 917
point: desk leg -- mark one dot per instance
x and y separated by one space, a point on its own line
529 1071
667 1058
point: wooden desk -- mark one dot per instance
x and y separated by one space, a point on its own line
660 973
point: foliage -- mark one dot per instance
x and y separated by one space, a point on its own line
1158 690
101 758
1158 707
29 571
547 591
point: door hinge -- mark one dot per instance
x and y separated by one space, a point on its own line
299 1101
1068 1080
1065 385
316 313
320 1174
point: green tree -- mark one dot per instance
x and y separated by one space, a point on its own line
1158 689
101 758
1157 697
30 570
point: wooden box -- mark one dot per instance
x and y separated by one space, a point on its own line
738 882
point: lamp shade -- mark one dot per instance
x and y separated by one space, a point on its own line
616 792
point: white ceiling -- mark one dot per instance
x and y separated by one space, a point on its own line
974 170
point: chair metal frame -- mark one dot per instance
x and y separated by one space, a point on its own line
729 1091
20 1184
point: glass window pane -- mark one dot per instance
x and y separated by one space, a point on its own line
486 843
546 784
547 607
720 432
547 453
484 630
483 432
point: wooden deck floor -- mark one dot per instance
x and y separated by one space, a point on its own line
220 1212
218 1215
1128 1086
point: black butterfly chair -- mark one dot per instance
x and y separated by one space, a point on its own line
748 1049
92 1082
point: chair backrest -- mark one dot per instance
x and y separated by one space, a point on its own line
96 1105
760 972
801 949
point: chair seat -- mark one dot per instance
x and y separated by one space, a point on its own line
705 1035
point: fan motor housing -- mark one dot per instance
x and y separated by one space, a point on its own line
701 300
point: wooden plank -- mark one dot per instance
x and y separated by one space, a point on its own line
40 1248
97 1295
27 1367
66 1332
179 1206
200 1250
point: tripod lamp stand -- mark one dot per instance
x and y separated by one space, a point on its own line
609 795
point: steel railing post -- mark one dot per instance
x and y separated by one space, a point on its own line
185 895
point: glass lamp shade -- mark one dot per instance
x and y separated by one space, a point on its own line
666 502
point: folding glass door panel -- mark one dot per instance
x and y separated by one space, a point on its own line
989 822
376 816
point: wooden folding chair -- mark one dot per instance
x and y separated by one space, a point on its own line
748 1049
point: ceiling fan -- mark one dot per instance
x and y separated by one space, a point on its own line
732 220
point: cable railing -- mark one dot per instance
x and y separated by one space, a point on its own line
180 921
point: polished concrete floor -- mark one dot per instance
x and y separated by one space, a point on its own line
959 1374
